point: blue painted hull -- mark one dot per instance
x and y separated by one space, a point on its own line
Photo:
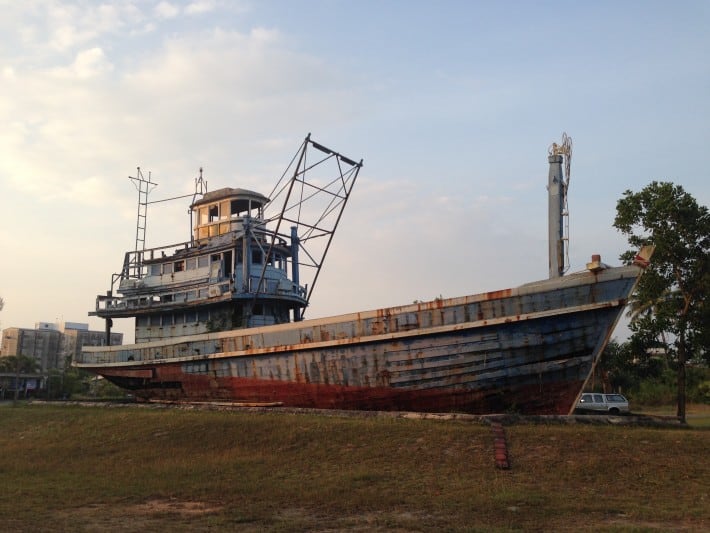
528 349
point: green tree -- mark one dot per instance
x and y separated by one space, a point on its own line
17 364
669 302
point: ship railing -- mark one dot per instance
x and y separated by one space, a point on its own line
134 262
187 350
117 303
273 287
278 287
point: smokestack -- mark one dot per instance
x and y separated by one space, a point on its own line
556 203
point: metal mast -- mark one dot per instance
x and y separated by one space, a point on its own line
312 201
201 189
558 213
144 186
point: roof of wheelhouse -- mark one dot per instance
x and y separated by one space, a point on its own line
229 192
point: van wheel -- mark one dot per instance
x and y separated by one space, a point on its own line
614 411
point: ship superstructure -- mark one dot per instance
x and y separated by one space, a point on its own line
214 282
237 270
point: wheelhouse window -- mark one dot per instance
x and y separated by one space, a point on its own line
224 210
239 208
179 266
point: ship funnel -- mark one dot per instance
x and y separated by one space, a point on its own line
558 228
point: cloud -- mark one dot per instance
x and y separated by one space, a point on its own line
199 7
73 25
90 63
189 100
402 244
81 109
166 10
451 199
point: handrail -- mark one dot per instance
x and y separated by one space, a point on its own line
269 286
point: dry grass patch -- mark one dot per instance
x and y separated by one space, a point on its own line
127 469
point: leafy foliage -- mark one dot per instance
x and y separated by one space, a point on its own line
669 308
18 363
646 377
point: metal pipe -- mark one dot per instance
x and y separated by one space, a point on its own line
556 202
295 275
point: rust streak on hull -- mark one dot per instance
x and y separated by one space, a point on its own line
556 399
531 353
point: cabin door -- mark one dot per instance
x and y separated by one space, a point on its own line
228 263
216 268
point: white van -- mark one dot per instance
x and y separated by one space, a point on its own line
613 404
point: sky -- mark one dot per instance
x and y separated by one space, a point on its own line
452 105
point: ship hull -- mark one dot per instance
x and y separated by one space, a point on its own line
529 350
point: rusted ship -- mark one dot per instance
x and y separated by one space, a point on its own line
221 316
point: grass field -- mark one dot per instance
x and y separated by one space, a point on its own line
697 416
72 468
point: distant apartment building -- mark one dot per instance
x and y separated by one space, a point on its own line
52 345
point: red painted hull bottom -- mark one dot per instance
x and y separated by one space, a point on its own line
549 398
